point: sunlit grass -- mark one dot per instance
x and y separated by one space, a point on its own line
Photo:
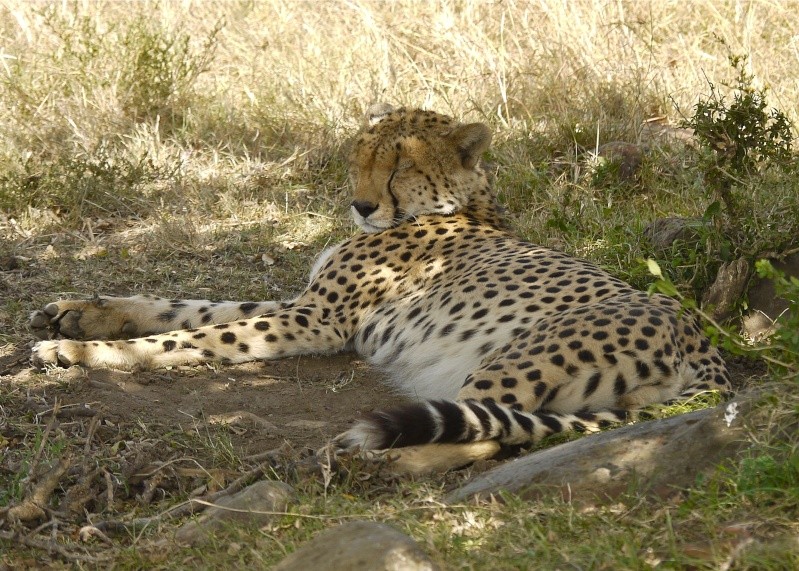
197 149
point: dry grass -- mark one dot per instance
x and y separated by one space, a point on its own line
199 85
194 148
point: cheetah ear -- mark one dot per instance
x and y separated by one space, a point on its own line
377 112
471 141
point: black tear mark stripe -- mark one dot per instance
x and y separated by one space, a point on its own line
394 199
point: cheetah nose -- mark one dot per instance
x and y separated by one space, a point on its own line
363 207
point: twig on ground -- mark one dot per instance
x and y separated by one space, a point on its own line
240 417
69 411
272 455
51 425
187 508
109 489
89 531
8 366
50 547
150 486
95 422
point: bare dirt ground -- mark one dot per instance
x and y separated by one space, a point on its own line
301 401
260 406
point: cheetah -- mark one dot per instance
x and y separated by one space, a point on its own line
492 338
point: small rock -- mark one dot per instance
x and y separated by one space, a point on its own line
627 155
263 496
8 263
359 545
663 232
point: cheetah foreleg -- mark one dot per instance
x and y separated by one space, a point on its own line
122 317
291 331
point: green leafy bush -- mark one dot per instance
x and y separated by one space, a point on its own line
159 70
741 137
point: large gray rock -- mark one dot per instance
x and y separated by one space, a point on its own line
658 456
358 545
264 496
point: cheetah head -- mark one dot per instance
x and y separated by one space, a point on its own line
409 162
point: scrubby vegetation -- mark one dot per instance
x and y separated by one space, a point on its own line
196 149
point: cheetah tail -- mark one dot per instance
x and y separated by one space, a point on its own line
446 421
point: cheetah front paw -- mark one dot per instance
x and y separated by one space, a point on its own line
62 352
53 321
79 319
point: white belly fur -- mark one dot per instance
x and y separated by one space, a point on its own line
430 369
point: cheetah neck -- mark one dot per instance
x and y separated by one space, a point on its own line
484 208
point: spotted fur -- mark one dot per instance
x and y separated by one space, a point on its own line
493 337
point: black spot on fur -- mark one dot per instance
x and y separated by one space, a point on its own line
247 307
509 382
167 316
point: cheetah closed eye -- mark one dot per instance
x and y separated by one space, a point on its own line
495 338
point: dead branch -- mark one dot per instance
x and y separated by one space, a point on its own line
33 506
273 455
95 422
69 411
189 507
81 493
150 486
51 425
50 547
109 489
88 531
242 417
